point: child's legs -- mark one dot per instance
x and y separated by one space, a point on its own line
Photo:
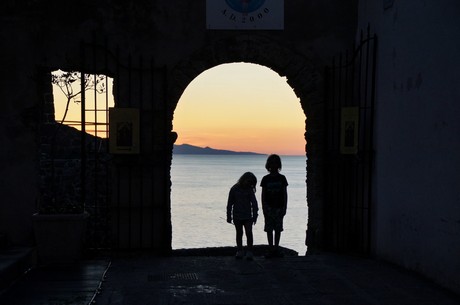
277 238
278 227
269 225
248 230
270 238
239 234
273 223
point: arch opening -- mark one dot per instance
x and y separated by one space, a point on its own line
239 107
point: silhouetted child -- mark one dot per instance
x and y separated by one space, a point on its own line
274 203
242 207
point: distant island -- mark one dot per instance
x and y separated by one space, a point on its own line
187 149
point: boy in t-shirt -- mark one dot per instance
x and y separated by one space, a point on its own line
274 203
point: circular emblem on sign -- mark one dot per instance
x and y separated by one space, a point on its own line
245 6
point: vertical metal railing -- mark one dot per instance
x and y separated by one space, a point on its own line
350 82
83 140
133 207
128 210
94 164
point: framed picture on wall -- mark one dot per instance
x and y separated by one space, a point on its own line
349 120
124 130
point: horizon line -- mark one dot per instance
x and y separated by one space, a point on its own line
237 151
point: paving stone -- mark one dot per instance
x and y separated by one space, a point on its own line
221 280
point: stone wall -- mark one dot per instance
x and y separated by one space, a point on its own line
153 50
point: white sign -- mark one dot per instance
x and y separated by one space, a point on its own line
245 14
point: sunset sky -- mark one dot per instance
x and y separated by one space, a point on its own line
238 106
242 107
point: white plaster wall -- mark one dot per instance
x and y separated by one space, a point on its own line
417 135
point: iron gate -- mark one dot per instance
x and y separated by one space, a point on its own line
350 91
128 208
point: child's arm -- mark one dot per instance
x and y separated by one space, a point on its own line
229 206
263 199
255 209
285 200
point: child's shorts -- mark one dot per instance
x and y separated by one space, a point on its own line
273 219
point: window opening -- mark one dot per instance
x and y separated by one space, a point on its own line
74 150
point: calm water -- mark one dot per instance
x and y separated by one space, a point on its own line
199 198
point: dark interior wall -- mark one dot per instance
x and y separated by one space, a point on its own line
47 34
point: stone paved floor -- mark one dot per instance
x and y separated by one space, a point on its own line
315 279
68 284
142 279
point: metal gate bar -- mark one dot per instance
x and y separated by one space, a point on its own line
94 146
350 82
127 209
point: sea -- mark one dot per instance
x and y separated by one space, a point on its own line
199 192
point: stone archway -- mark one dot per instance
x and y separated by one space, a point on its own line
302 75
